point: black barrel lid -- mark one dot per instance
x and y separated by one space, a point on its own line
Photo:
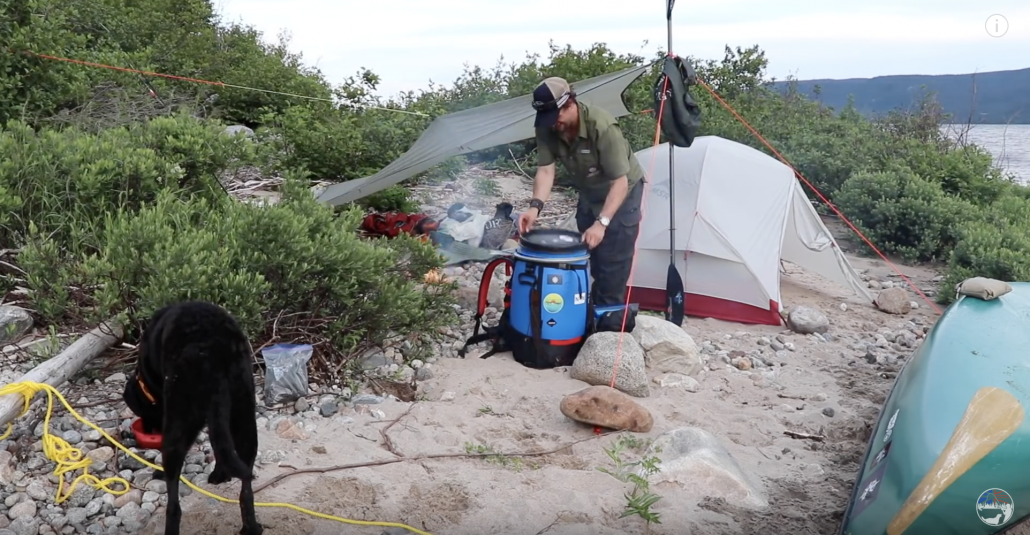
553 240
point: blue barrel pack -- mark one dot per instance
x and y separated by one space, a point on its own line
550 289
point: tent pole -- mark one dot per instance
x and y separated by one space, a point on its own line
672 161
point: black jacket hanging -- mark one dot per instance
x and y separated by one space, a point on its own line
681 116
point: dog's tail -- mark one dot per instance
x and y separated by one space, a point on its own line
222 443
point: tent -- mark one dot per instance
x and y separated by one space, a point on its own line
738 213
479 128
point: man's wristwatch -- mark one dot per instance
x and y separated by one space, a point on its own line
604 221
538 204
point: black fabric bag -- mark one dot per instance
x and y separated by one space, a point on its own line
680 117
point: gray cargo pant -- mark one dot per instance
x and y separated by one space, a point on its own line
612 259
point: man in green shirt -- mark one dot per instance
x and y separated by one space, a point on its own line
591 147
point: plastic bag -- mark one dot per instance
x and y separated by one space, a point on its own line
286 372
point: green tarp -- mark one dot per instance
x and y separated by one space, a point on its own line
476 129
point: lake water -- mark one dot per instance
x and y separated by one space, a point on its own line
1009 144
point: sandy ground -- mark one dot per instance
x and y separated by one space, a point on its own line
498 405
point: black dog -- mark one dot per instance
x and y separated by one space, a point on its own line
194 370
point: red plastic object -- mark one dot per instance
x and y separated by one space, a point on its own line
145 440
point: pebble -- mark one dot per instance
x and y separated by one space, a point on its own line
367 399
328 409
72 436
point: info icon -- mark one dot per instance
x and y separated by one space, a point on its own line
997 25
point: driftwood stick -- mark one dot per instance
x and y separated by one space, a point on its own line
804 436
387 442
395 460
64 366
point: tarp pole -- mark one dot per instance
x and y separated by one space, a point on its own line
672 160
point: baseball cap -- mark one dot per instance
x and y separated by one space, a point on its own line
548 98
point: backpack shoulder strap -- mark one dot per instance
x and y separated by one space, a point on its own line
483 299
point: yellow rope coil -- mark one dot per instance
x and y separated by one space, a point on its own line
70 459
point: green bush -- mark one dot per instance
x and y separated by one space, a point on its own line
903 213
996 245
66 181
292 271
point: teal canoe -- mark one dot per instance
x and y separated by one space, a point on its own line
950 453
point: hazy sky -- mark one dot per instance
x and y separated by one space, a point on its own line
409 42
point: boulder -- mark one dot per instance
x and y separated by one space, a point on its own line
696 461
894 301
15 322
606 407
668 348
807 320
596 359
236 129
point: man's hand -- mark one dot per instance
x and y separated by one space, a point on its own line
594 235
527 219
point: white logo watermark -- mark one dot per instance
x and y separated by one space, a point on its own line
994 507
997 25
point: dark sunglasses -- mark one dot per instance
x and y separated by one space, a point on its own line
552 105
545 106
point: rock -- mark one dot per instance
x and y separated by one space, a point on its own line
25 526
76 516
423 374
668 348
695 460
807 320
156 485
81 497
301 404
272 457
37 490
23 509
15 322
374 358
133 517
116 378
134 495
6 467
102 455
367 399
606 407
328 408
236 129
290 431
894 301
828 411
685 382
596 360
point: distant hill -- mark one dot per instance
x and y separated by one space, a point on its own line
1001 96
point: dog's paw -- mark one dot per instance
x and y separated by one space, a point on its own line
218 476
256 530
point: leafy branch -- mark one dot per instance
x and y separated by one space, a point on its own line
640 499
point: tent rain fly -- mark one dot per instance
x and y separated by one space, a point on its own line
479 128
